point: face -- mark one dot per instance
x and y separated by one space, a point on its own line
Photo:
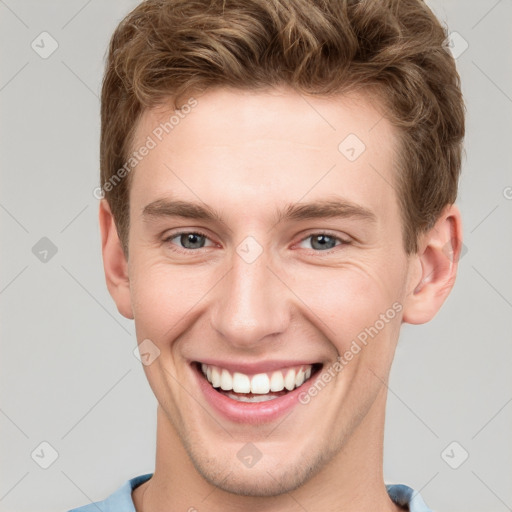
265 247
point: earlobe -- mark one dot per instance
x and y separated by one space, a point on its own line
436 265
115 264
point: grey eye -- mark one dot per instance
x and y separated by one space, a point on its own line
190 240
320 242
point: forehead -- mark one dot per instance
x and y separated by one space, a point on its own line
305 119
272 145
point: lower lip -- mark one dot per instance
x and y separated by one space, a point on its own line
247 412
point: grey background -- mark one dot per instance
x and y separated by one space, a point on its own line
68 375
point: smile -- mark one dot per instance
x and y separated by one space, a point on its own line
251 394
256 388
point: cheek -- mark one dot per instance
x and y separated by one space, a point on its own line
165 298
349 301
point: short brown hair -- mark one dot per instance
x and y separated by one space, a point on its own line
394 48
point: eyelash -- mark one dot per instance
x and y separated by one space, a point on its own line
342 241
183 250
179 233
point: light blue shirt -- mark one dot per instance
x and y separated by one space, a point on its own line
121 500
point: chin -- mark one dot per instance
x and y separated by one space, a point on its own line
262 482
271 477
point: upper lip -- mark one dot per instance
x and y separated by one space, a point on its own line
256 367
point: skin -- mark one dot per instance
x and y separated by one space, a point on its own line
246 155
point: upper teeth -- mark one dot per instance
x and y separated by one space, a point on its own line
261 383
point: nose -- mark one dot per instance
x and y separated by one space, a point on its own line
251 305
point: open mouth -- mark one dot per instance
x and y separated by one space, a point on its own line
260 387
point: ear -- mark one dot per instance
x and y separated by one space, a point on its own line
114 262
434 268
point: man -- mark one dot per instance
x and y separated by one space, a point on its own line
279 180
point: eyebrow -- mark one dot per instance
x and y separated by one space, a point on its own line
323 209
166 208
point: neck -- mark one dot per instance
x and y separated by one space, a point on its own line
352 480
